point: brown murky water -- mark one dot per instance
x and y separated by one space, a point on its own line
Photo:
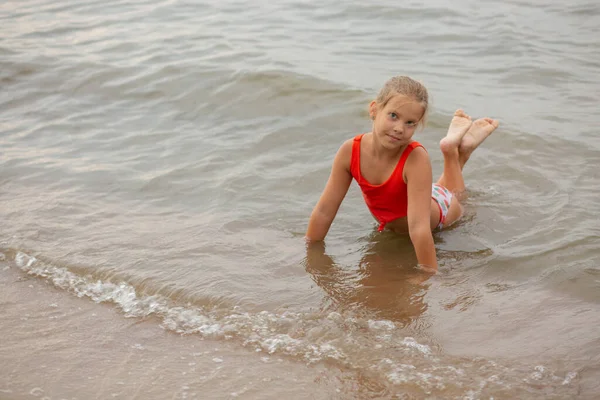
159 160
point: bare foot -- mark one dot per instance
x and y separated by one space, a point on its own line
477 133
458 128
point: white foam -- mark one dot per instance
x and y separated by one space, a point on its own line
381 325
570 376
312 337
412 343
261 329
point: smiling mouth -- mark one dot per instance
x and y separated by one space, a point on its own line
394 138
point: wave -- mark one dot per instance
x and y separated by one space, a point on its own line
379 350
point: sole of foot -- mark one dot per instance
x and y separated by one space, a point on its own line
477 133
459 126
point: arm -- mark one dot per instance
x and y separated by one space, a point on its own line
335 190
418 179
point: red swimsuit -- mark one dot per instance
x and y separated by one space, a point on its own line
388 201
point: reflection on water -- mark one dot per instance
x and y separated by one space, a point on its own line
384 284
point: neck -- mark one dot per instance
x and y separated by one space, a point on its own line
380 151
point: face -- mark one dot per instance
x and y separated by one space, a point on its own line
395 124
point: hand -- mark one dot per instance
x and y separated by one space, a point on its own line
426 268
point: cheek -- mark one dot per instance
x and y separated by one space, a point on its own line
387 123
387 126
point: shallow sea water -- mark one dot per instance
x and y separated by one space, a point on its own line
159 161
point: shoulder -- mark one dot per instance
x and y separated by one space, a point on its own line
346 147
418 163
418 154
344 153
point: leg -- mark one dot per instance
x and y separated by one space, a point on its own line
477 133
452 178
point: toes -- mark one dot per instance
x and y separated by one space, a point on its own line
492 122
487 121
461 113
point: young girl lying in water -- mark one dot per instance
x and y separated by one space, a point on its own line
394 171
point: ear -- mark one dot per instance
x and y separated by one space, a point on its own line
373 109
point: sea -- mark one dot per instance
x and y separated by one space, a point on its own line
159 161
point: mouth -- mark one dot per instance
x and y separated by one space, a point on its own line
393 138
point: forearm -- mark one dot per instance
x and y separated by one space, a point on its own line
318 225
422 241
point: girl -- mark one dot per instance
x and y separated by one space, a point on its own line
394 172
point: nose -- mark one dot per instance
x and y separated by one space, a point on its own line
399 128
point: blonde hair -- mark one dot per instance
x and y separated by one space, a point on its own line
405 86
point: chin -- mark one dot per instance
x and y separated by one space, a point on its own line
395 141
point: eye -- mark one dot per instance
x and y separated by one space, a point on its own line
393 115
411 123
